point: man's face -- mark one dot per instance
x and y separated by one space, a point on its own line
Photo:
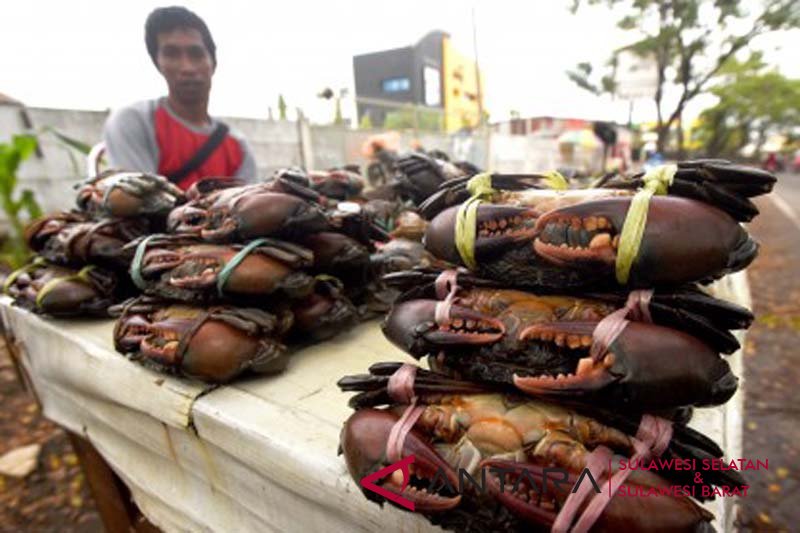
186 64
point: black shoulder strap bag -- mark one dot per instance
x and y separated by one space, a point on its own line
202 154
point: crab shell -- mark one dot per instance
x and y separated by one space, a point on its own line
67 294
73 239
542 347
249 212
213 345
472 434
191 271
128 194
684 240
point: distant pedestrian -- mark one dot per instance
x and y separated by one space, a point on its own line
174 135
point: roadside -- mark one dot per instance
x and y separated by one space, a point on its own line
54 497
771 371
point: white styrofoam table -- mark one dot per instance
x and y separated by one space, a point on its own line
257 455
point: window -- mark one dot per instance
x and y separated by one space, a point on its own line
396 85
432 80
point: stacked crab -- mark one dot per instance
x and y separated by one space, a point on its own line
244 270
81 268
571 338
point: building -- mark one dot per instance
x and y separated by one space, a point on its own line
429 85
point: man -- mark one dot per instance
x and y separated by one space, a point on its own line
174 136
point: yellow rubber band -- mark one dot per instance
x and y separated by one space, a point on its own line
555 180
656 181
25 268
480 186
81 275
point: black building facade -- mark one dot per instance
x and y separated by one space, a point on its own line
411 75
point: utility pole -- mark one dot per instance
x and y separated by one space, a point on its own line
477 68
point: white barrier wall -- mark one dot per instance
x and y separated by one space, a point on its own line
52 173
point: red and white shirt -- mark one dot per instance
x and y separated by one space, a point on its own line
149 137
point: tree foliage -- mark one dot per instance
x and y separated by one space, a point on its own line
690 42
414 119
753 103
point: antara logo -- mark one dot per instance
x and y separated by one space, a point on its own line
557 476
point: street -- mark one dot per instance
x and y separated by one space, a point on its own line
771 373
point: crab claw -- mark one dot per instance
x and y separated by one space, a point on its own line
412 326
186 219
130 332
647 367
363 441
216 351
497 228
536 494
587 235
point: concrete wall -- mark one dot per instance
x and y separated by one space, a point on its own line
52 174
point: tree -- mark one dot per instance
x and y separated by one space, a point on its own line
753 103
366 122
427 120
692 41
281 107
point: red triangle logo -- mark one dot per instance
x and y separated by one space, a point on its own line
368 482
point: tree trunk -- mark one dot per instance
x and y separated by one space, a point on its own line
681 147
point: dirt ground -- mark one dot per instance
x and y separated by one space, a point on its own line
55 496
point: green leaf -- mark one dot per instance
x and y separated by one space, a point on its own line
25 145
28 202
73 143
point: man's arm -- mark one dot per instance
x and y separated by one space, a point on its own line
130 139
247 170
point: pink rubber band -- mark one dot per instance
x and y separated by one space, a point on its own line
446 283
597 463
401 389
656 433
637 307
399 432
401 383
606 332
441 313
652 438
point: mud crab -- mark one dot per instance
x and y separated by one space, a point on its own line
243 213
719 183
185 268
61 292
420 175
579 245
505 443
213 344
74 239
337 183
557 346
128 194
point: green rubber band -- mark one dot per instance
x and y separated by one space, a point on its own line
136 264
25 268
230 266
656 181
480 186
81 275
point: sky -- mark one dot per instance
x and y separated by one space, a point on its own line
91 55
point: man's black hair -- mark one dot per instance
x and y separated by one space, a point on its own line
166 19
